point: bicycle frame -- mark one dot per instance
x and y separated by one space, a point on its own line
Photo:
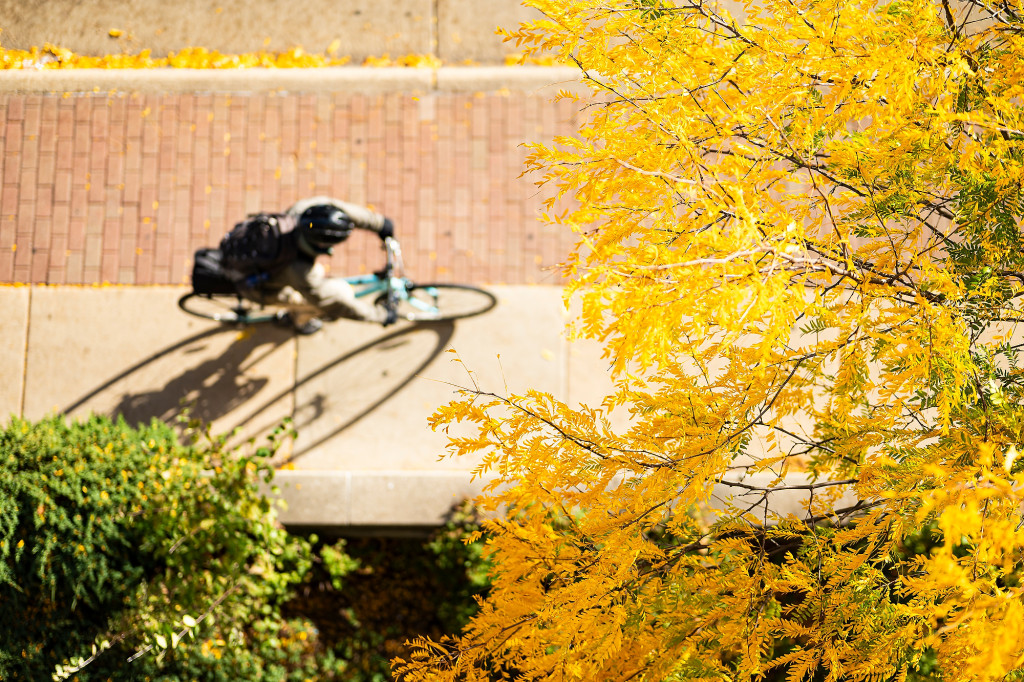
394 283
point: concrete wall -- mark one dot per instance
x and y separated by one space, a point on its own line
453 30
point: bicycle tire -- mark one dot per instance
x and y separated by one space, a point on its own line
226 308
438 302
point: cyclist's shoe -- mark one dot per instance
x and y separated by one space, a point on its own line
311 326
390 308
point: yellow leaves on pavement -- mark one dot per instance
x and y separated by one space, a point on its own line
55 57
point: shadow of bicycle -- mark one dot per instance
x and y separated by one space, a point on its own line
247 382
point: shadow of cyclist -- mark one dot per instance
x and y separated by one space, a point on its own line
339 393
251 385
212 388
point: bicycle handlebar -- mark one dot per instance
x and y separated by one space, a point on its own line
393 250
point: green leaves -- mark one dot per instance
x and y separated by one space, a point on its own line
116 539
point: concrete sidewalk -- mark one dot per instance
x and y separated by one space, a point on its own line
122 187
449 30
359 394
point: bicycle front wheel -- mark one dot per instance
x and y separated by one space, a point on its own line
427 302
226 308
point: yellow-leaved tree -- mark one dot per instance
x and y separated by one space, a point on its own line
800 247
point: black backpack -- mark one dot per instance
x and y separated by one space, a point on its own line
208 276
253 246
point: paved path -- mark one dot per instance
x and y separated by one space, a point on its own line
359 395
449 30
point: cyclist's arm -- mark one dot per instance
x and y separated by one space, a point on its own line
361 216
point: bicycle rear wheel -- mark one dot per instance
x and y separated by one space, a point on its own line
427 302
226 308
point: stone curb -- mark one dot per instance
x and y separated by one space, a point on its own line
337 499
532 79
372 498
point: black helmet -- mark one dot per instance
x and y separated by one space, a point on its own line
323 226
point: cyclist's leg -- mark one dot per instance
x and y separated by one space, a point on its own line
332 297
337 299
277 291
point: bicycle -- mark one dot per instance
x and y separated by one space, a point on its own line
222 301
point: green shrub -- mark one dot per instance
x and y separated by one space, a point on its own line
126 554
121 543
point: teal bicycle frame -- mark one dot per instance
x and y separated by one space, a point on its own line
393 284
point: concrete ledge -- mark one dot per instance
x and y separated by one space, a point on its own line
326 79
377 498
333 499
789 497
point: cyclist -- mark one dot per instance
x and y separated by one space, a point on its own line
308 229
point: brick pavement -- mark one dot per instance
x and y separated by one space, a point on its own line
122 188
